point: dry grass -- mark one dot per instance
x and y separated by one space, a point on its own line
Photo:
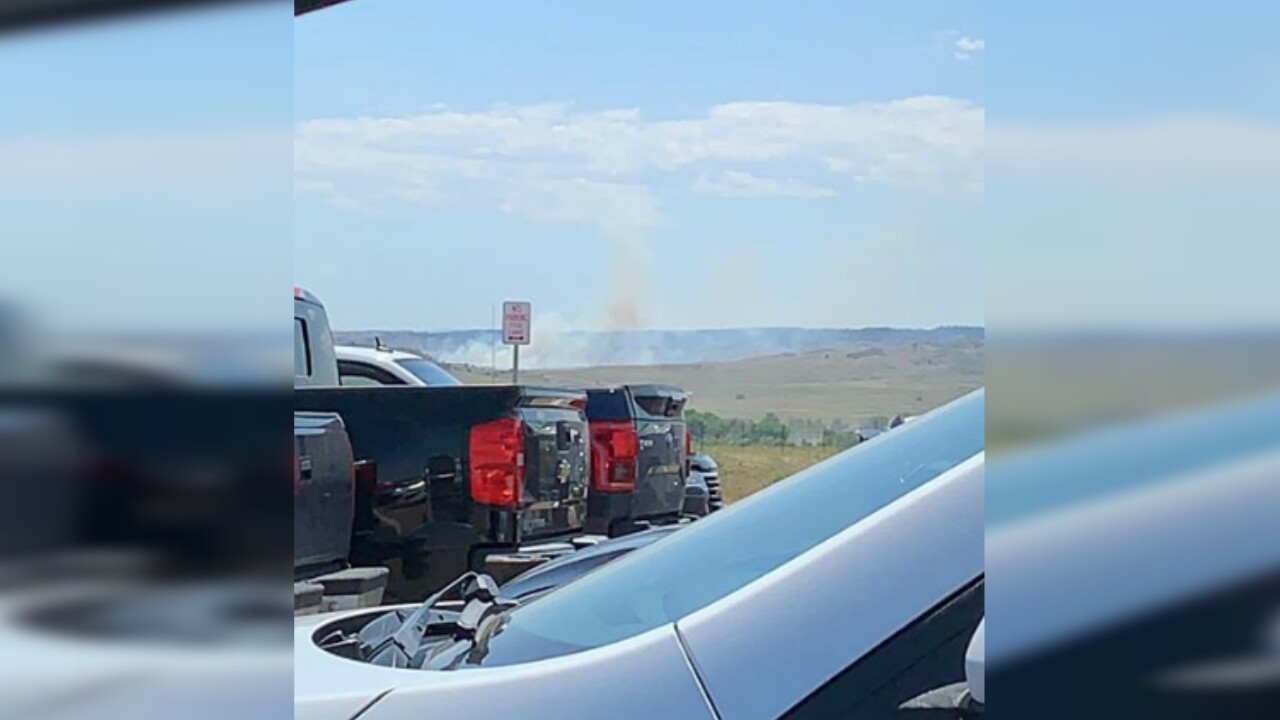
746 469
853 384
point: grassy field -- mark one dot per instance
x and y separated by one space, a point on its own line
746 469
853 384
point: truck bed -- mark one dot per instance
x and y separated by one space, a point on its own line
428 521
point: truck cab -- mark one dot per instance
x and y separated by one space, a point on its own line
315 363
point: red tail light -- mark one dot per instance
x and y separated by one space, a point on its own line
615 447
497 462
688 443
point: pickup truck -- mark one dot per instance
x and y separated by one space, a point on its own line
639 449
462 471
324 466
640 460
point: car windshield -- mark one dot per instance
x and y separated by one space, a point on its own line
717 555
428 372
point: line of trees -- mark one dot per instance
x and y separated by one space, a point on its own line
708 427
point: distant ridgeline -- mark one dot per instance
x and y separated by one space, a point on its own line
650 347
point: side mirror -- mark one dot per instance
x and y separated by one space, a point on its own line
957 701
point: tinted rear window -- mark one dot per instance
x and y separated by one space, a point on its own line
660 406
607 405
301 349
428 372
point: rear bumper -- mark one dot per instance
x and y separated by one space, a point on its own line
604 509
696 502
504 565
657 497
657 500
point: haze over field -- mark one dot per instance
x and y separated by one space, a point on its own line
555 347
849 375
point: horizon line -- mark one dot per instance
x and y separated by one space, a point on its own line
693 330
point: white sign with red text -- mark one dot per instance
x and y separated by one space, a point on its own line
517 318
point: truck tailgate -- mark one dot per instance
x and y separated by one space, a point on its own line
323 504
556 465
659 417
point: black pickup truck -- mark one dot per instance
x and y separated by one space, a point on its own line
461 472
325 471
639 447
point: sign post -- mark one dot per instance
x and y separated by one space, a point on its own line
516 325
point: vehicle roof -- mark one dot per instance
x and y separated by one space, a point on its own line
356 352
304 295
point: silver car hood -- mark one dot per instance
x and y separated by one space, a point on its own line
328 687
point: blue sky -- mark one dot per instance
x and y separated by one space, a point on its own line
650 165
644 165
145 171
1133 157
1091 59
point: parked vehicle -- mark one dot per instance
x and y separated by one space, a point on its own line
462 471
697 496
324 467
639 445
315 361
362 367
704 470
847 590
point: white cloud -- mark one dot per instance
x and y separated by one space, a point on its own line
734 183
552 163
966 47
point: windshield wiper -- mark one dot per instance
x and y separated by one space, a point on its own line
387 641
478 645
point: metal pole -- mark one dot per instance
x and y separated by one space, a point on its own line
515 364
